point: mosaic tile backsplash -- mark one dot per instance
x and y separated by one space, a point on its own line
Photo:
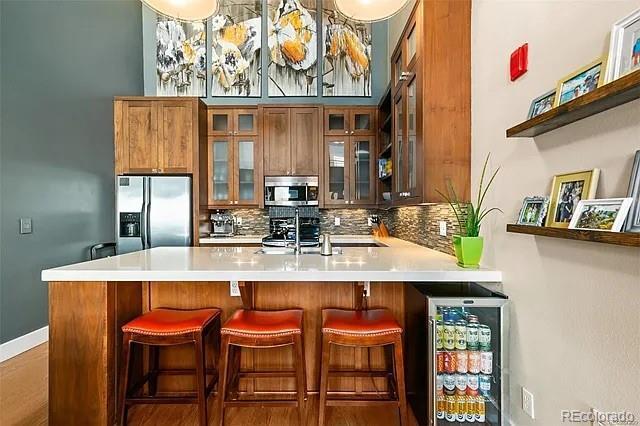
419 224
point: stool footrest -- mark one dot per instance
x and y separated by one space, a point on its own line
261 403
162 400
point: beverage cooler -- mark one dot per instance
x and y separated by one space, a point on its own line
467 345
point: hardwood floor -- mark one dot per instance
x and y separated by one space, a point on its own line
23 401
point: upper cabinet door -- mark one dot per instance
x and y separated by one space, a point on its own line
220 122
362 171
175 137
277 142
414 150
397 71
336 122
245 122
363 121
138 150
336 170
399 148
246 175
305 141
220 173
411 41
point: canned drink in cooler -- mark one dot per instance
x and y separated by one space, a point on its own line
450 362
439 335
461 406
484 337
486 362
441 406
473 362
461 361
480 409
449 335
451 412
440 362
449 382
472 336
472 402
446 314
461 335
439 382
461 382
473 382
484 383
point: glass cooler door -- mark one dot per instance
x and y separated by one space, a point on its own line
467 347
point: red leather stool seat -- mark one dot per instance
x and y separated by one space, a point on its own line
371 322
168 322
252 323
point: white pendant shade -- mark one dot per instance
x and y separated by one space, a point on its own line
184 10
369 10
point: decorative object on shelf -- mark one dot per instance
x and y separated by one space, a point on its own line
533 211
469 244
624 47
346 55
580 82
185 10
384 167
542 104
601 215
566 191
181 58
235 49
368 10
633 219
293 48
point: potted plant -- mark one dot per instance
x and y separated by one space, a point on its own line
468 245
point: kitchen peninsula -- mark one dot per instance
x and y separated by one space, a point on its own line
90 301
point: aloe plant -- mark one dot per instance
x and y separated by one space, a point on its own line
468 215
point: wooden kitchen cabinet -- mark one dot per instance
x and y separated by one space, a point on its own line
350 121
155 135
232 121
292 141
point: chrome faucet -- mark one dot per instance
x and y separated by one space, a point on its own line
296 244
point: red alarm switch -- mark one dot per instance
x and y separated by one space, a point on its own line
519 61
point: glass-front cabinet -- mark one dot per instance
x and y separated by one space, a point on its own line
232 122
233 172
362 170
350 121
349 170
245 171
336 184
219 173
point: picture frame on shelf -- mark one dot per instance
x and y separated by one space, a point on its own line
533 211
607 215
566 191
624 47
633 219
580 82
542 104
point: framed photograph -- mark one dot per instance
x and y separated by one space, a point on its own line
624 47
580 82
601 215
533 211
633 219
566 192
542 104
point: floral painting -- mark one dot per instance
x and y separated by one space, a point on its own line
346 55
235 49
293 48
181 58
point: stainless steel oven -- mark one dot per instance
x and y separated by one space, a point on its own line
291 190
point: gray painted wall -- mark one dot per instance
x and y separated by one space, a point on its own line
61 64
380 67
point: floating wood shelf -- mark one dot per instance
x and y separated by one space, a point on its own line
618 92
630 239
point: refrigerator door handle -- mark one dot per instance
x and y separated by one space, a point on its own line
143 214
148 212
434 369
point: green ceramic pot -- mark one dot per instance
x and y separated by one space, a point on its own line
468 250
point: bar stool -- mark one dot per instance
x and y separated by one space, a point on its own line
367 328
261 329
167 327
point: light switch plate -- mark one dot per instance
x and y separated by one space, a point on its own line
527 402
443 228
25 225
238 220
336 221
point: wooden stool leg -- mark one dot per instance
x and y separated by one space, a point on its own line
298 356
398 361
153 370
201 379
222 380
324 378
124 377
304 367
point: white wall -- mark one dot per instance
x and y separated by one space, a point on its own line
575 335
396 25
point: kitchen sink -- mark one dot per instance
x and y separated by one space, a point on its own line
291 251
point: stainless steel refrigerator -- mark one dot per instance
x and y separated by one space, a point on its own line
153 211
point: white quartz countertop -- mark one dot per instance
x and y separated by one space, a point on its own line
398 261
257 239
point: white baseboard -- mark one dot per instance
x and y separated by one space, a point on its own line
23 343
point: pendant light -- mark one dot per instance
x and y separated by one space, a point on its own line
184 10
369 10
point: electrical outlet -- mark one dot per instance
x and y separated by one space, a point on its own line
336 221
238 220
527 402
25 225
367 288
234 289
443 228
369 221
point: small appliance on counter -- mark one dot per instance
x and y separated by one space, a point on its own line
282 228
222 224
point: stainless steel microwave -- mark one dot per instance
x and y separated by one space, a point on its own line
291 190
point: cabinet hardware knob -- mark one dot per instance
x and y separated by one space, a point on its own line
346 132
